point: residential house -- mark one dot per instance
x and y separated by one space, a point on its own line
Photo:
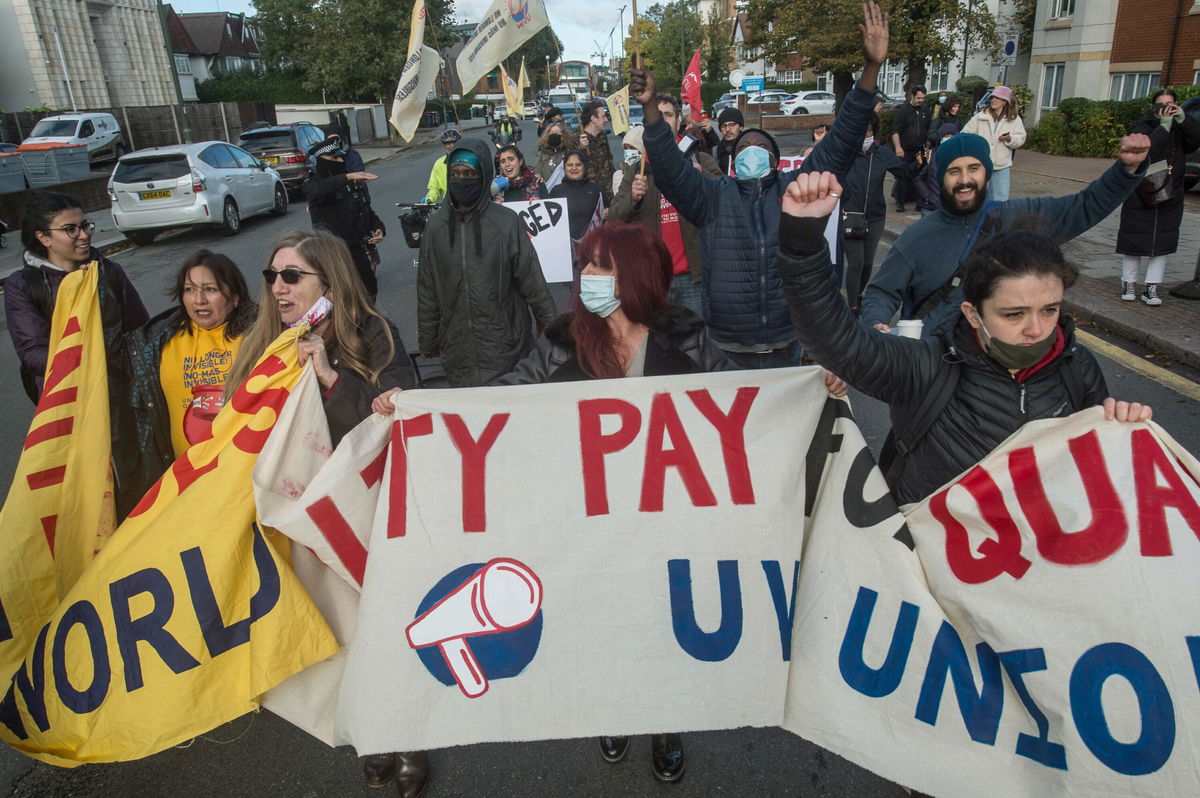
183 50
225 42
1072 51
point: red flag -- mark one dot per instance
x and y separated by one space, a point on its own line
690 91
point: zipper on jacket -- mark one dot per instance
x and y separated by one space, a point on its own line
467 291
1024 414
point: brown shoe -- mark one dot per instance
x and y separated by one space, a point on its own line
378 769
412 773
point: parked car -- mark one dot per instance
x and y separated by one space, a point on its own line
209 183
100 133
531 110
1191 170
6 148
889 103
285 148
570 112
764 97
808 102
637 114
727 99
501 110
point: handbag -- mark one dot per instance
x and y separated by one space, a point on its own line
854 223
1158 186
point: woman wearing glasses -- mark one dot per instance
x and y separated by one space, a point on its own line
57 237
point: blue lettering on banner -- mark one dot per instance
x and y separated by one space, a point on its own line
1039 749
32 690
5 627
218 637
785 609
980 710
150 628
1193 645
81 702
706 646
881 681
1153 747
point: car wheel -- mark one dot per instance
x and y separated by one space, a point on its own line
800 111
141 237
281 201
231 220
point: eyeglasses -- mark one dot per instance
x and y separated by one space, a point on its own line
290 276
75 230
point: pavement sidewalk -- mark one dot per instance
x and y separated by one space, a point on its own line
1171 329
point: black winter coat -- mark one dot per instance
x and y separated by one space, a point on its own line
988 403
678 343
1155 231
859 196
581 197
343 207
348 402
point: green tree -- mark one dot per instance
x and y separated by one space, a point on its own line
679 34
543 43
287 27
718 33
647 30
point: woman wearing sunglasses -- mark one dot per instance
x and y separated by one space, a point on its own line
354 350
57 237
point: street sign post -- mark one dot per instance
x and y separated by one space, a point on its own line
1008 49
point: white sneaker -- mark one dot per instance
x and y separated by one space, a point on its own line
1150 295
1128 291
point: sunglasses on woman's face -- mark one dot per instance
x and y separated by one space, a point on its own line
290 276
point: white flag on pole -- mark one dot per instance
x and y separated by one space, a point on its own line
506 26
417 77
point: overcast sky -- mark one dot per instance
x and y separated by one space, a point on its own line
579 23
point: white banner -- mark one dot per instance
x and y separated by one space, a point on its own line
506 26
416 78
549 231
1024 628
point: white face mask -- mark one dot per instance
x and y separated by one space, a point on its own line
867 142
598 293
632 156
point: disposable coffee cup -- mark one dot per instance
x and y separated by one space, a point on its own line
910 328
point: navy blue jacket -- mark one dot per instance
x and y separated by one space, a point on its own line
738 222
876 162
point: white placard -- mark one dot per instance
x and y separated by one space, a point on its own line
550 232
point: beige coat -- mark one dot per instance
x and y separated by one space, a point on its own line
984 125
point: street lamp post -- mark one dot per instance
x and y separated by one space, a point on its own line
549 85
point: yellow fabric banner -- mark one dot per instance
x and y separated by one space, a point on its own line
523 80
618 110
59 510
416 77
188 614
512 95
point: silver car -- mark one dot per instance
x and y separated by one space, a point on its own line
209 183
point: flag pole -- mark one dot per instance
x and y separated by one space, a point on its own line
637 39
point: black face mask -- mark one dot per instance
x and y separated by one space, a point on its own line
465 191
554 140
328 168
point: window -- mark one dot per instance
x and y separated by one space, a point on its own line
825 81
893 79
790 76
87 129
156 167
1052 84
244 159
232 62
1062 8
1131 85
1196 78
219 156
939 76
183 66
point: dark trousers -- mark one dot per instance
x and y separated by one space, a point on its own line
362 265
905 190
860 259
775 359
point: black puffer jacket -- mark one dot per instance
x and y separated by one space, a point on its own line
1155 231
678 344
988 404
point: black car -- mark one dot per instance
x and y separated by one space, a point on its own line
1191 170
284 147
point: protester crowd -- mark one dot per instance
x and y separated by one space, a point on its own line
686 261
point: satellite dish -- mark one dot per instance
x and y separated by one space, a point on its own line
736 77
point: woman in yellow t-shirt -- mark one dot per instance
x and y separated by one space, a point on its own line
180 359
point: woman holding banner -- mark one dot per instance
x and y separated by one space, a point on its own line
1010 359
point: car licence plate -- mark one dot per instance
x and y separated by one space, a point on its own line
271 159
162 194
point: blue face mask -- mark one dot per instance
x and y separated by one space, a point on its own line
598 293
752 163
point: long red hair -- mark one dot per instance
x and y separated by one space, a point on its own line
643 267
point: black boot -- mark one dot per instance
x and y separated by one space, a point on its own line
613 749
378 769
412 773
666 757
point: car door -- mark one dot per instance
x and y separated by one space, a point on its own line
260 184
229 176
824 101
106 134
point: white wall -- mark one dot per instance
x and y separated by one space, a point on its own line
1083 44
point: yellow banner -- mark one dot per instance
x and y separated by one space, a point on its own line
523 80
187 615
512 95
618 110
416 77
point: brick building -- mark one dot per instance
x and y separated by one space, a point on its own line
1155 38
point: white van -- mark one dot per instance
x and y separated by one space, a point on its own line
99 132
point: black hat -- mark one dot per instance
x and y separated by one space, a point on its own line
731 115
332 145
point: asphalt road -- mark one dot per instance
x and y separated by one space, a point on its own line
261 755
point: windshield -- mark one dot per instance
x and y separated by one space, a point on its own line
267 140
58 128
160 167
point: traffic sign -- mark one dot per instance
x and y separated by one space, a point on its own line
753 84
1008 49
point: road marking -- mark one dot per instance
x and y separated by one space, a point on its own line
1180 385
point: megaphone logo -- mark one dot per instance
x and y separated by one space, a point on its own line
500 597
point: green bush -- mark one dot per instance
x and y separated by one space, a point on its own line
973 86
1092 128
282 85
1050 135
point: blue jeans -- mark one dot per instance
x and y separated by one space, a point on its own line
999 184
685 293
776 359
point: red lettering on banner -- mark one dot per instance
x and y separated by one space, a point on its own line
148 500
731 427
186 473
65 362
373 473
473 454
341 538
1001 554
664 420
49 527
1109 527
1150 461
594 445
244 400
64 397
59 428
402 431
72 327
44 479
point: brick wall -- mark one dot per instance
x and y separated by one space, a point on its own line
1144 31
803 122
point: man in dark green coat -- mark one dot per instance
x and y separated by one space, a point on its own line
479 277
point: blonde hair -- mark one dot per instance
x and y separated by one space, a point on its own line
328 256
568 141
